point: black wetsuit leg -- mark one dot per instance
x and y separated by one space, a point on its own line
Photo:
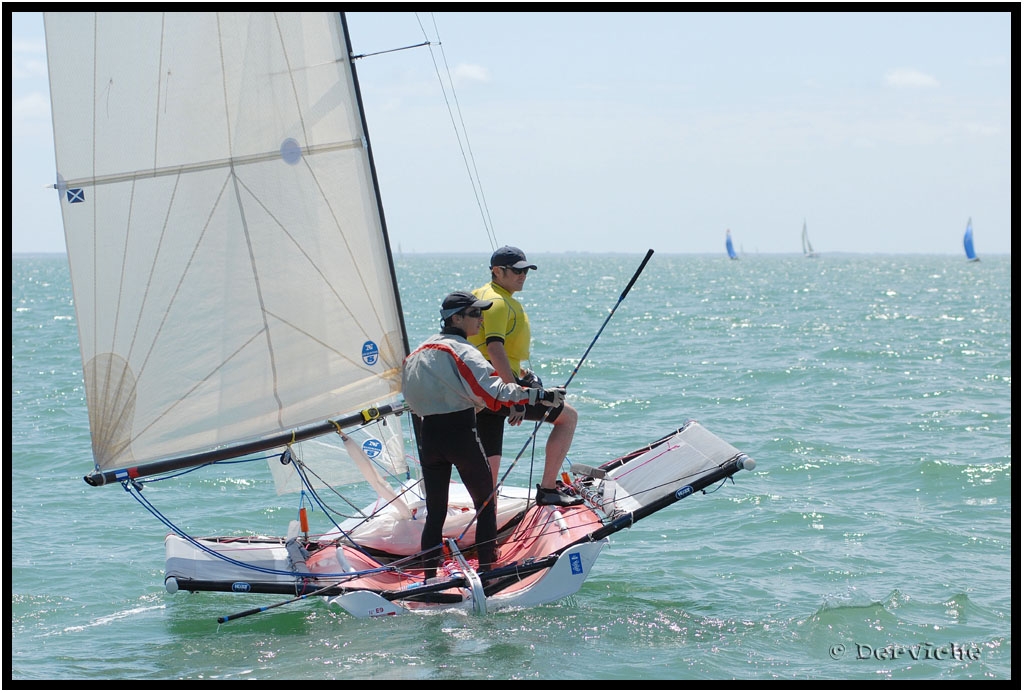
447 440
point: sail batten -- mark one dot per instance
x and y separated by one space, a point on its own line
206 319
220 164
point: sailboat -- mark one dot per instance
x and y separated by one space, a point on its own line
236 298
806 242
969 243
728 245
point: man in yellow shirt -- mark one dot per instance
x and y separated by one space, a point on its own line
505 341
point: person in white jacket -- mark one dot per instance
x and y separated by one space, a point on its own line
446 381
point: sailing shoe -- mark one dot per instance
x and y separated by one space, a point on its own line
549 496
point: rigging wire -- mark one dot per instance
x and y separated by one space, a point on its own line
137 494
460 135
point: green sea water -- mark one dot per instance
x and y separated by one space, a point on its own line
872 542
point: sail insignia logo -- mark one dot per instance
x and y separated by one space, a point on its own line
575 563
370 353
684 492
76 195
241 587
373 448
291 151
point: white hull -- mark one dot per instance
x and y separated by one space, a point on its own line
544 552
265 559
563 579
263 564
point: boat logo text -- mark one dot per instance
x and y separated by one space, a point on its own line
373 448
370 353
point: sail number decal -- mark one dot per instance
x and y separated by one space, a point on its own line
380 611
373 448
370 353
575 563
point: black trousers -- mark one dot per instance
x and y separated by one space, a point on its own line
448 440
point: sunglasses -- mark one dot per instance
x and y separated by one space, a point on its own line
516 270
473 313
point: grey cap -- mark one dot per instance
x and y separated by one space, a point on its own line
458 301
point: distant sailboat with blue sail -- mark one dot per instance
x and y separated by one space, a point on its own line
806 242
728 245
969 243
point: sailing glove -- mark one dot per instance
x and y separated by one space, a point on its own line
528 378
549 397
516 414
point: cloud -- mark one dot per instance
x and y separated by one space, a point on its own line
33 106
471 73
23 67
28 59
909 77
28 46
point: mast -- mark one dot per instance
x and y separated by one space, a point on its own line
380 210
373 174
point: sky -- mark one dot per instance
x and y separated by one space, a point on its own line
619 132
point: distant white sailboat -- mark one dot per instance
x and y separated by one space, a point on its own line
806 242
969 243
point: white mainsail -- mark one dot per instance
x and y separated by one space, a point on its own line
230 269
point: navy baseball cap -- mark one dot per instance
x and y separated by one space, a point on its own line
510 256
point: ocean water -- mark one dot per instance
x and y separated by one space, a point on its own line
872 542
